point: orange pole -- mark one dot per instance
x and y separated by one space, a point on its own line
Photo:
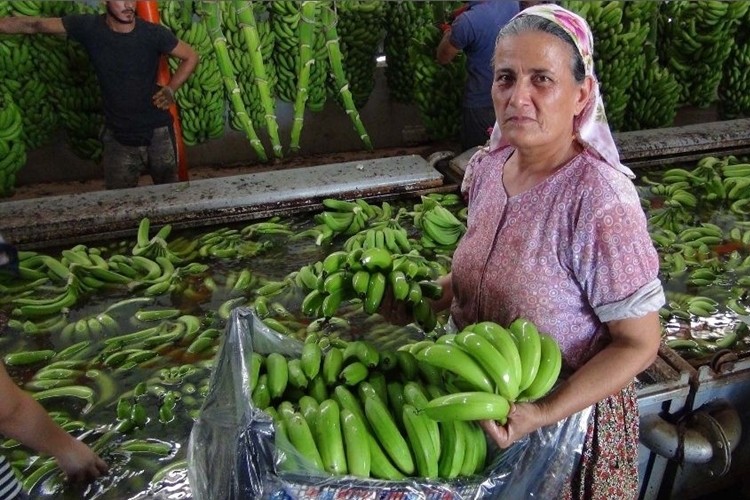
149 11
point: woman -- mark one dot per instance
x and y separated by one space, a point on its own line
556 235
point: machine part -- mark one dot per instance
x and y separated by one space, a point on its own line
723 361
707 435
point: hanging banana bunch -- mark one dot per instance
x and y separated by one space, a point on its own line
254 44
201 98
654 94
213 21
734 91
403 19
360 30
12 148
438 89
4 8
285 21
619 34
328 18
695 40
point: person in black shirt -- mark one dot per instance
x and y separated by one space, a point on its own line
125 53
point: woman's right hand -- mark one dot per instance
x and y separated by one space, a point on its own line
394 311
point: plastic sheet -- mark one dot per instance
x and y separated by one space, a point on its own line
233 453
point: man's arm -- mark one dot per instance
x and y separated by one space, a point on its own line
31 25
189 60
446 51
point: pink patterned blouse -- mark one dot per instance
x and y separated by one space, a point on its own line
574 242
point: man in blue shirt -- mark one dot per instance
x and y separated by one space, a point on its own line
474 31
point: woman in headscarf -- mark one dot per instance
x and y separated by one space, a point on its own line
556 235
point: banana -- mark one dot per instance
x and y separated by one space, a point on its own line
261 397
311 359
490 359
308 408
422 444
297 377
354 373
399 284
415 395
360 282
388 435
363 351
334 262
329 438
476 448
380 466
455 360
376 259
333 362
301 437
317 388
468 406
453 449
357 445
407 364
529 347
375 292
549 369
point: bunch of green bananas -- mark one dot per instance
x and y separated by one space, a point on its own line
441 230
361 29
285 19
201 98
654 95
438 89
245 74
403 20
618 41
12 148
734 92
695 39
366 274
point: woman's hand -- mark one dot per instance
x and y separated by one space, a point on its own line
523 418
395 311
80 463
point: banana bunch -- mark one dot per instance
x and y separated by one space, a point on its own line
5 8
438 89
695 40
517 364
366 274
26 8
360 28
89 328
347 217
403 20
243 63
285 22
733 92
388 235
12 148
441 230
201 98
654 94
618 42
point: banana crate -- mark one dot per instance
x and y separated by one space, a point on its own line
236 451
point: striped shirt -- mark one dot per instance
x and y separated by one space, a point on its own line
9 485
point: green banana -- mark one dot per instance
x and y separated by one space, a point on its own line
384 428
422 445
503 341
301 437
311 359
333 362
529 347
468 406
453 359
496 366
278 374
549 369
329 438
356 444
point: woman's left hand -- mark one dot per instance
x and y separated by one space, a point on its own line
523 418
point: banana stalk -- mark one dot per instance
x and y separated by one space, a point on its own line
334 56
246 18
306 40
227 74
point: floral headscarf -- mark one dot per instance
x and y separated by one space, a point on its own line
590 126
